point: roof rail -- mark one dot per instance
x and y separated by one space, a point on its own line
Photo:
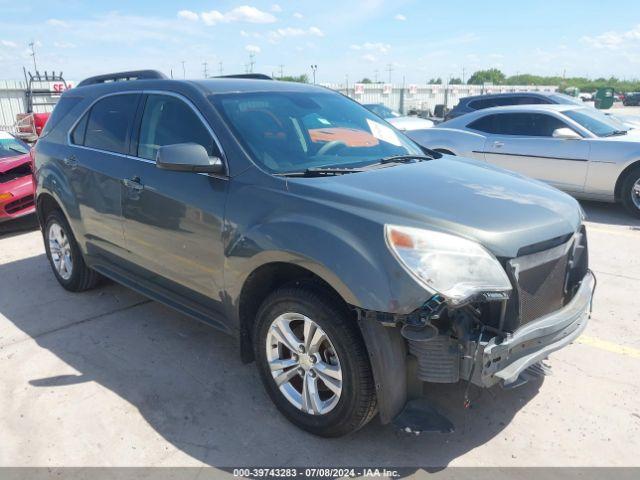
254 76
123 76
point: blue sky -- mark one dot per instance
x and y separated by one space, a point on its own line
358 38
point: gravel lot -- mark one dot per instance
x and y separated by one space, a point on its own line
109 378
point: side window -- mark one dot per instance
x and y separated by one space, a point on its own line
109 123
482 103
518 124
486 124
168 120
77 136
61 110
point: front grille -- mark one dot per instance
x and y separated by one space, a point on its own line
20 204
546 281
541 289
17 172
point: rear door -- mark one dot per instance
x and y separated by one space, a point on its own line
523 142
173 220
95 159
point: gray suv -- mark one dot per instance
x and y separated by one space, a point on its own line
348 263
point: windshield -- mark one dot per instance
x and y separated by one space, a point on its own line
594 121
382 111
292 132
11 146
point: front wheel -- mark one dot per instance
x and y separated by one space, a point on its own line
630 192
313 362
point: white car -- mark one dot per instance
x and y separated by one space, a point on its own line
574 148
401 122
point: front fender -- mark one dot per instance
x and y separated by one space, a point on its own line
339 256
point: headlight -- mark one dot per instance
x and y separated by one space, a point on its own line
452 266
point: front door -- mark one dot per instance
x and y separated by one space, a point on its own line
523 142
173 220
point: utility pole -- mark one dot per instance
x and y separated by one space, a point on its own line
281 70
375 75
463 74
389 69
252 61
220 70
184 72
33 54
313 69
204 67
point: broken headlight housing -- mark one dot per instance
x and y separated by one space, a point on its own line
456 268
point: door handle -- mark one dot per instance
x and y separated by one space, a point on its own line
133 183
498 144
71 161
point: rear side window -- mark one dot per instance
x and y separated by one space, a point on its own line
77 136
109 123
61 110
483 103
168 120
518 124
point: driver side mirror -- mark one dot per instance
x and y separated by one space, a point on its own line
188 157
565 133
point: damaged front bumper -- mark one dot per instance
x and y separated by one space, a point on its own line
503 360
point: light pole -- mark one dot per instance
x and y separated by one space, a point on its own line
313 69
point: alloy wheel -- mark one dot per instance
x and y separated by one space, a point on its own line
304 363
60 250
635 193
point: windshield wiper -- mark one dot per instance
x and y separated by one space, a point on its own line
405 158
320 171
615 133
18 150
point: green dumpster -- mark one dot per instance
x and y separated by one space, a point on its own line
604 98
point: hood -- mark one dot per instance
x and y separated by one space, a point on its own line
9 163
632 136
410 123
503 211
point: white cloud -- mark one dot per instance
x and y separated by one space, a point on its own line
370 58
188 15
253 48
280 33
8 43
54 22
615 40
378 47
298 15
400 17
276 8
244 13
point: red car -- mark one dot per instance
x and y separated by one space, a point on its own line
16 182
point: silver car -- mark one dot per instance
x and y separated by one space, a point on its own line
574 148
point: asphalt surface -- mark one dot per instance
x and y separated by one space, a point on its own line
109 378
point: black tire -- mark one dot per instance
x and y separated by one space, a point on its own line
627 191
81 277
357 402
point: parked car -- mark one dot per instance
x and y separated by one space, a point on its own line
631 99
336 266
401 122
480 102
574 148
16 182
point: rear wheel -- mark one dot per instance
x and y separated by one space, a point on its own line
313 362
630 192
64 255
